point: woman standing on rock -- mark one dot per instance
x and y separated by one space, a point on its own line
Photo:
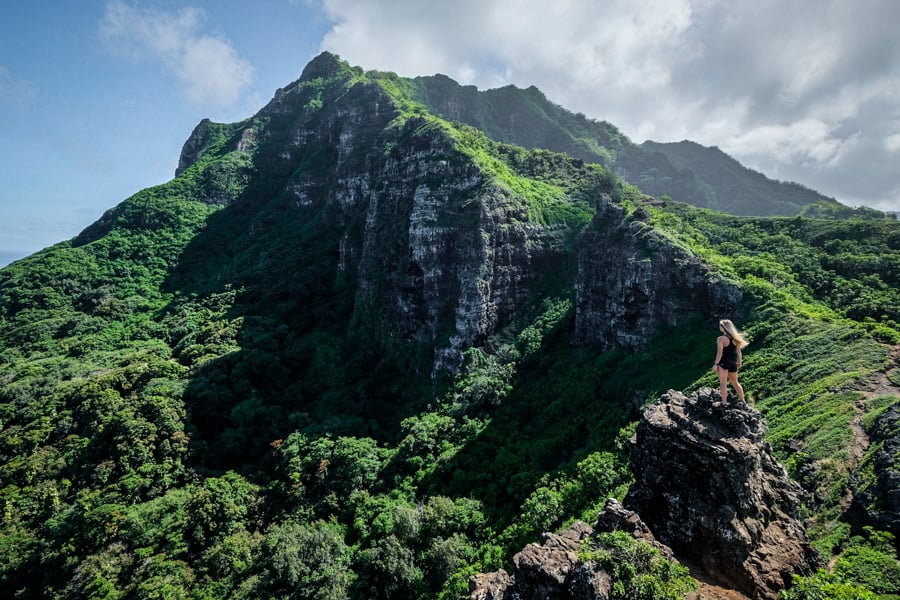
729 359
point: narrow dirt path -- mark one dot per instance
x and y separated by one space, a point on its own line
707 587
880 384
707 591
711 590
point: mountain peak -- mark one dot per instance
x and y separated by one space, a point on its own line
326 64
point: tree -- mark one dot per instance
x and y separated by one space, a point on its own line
308 561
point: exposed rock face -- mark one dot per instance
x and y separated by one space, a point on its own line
881 500
552 568
708 486
441 253
707 489
444 254
439 256
631 282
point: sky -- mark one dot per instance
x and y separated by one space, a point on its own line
98 96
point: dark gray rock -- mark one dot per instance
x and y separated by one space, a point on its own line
545 570
707 484
616 517
553 569
880 498
632 281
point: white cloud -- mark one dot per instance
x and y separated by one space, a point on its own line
806 140
892 142
581 44
208 69
802 90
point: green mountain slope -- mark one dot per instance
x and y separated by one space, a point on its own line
688 172
739 190
354 349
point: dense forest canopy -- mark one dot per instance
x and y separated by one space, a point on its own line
250 382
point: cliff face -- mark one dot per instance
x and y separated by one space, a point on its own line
631 282
439 256
445 257
442 246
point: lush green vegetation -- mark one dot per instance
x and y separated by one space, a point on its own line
736 189
688 172
637 570
866 569
193 404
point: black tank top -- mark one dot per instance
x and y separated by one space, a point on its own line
729 353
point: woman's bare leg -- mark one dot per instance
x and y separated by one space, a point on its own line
723 383
733 379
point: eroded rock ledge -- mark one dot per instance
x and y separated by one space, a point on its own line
707 486
553 568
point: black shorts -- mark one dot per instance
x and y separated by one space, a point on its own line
731 368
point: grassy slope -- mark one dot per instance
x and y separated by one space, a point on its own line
820 291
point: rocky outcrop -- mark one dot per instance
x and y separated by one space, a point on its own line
632 282
205 135
879 496
707 490
707 484
553 568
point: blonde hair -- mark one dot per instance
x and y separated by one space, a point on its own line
731 331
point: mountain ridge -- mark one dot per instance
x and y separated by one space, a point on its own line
509 113
527 118
355 349
737 186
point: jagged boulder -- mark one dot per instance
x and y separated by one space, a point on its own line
545 570
708 485
616 517
554 569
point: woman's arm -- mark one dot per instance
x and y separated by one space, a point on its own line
740 356
720 345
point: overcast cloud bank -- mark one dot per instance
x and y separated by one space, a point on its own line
805 91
